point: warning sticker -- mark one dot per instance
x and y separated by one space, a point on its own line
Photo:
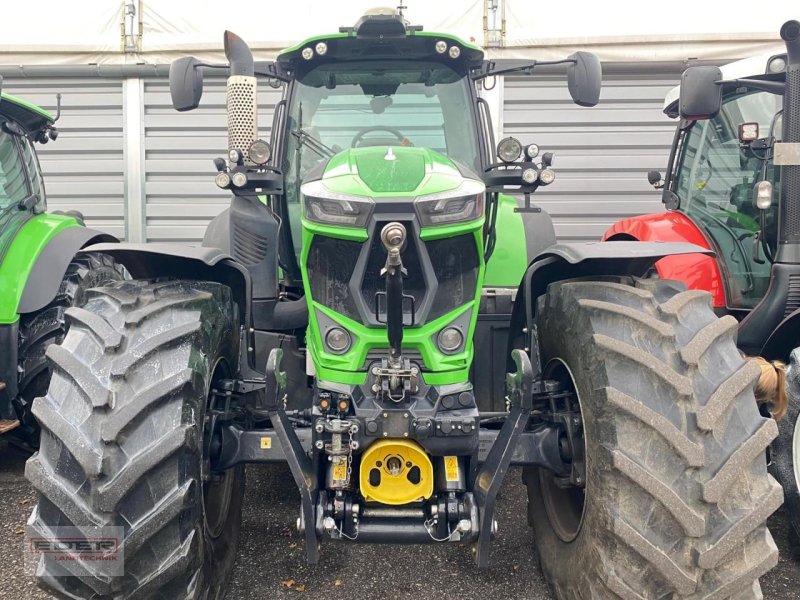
340 471
266 443
451 468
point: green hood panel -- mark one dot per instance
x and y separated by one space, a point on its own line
391 171
403 173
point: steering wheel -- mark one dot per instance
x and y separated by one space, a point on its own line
365 130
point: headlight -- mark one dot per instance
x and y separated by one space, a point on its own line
450 340
547 176
337 340
259 152
222 180
509 149
465 203
239 179
776 64
322 205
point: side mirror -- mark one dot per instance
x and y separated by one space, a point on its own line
584 78
185 83
701 93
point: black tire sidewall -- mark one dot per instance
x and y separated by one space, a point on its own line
566 561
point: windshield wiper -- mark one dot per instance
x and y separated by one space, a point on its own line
316 146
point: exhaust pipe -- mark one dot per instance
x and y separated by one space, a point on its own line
789 237
241 100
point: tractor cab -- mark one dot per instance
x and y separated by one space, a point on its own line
722 175
21 185
732 185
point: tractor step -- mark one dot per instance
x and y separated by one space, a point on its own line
7 425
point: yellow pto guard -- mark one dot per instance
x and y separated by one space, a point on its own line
396 472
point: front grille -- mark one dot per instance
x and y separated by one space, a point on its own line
373 282
330 266
455 262
450 265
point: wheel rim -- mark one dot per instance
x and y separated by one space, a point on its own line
217 487
565 506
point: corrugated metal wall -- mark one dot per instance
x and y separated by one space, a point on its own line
181 197
84 167
602 153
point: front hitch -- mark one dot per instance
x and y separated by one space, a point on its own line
393 237
395 378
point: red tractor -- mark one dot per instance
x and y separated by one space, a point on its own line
732 185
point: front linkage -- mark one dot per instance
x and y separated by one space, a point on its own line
541 429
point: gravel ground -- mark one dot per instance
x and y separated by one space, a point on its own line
271 563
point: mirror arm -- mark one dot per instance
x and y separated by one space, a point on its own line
772 87
266 69
490 67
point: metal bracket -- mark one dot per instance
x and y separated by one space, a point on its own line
300 464
490 474
389 379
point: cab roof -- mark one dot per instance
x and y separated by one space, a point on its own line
380 34
29 116
754 67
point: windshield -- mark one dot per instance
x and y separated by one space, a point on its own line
714 182
347 105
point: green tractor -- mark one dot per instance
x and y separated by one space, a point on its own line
40 275
375 311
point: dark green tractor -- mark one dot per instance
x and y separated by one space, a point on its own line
376 311
40 274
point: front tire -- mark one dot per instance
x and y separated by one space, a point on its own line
786 450
677 492
49 326
122 441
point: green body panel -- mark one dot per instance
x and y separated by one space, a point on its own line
345 174
348 368
286 53
510 257
21 102
414 171
29 116
28 243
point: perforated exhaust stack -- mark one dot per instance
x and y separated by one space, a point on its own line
241 101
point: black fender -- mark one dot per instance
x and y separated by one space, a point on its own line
204 263
783 339
539 232
51 265
151 261
218 232
590 259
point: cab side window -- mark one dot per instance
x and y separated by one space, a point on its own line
34 171
13 185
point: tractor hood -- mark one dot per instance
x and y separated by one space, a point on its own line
392 172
